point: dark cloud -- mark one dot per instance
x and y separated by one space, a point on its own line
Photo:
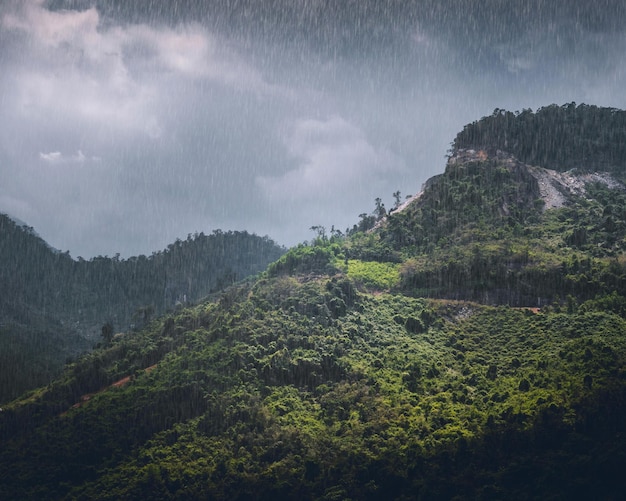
124 125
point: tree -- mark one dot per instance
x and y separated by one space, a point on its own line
107 332
397 198
366 222
379 211
321 232
143 314
335 234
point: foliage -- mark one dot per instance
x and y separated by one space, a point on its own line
372 274
564 137
52 307
317 258
271 391
477 197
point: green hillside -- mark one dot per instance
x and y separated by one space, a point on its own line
482 231
291 388
53 307
468 345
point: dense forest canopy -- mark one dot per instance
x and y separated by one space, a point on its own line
585 137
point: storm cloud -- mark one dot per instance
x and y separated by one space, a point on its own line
126 125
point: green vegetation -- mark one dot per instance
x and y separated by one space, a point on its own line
565 137
286 388
53 307
371 274
480 232
405 360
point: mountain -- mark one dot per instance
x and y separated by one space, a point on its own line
470 344
53 307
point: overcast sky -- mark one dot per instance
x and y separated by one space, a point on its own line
127 124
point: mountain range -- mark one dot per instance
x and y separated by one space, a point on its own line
468 344
53 307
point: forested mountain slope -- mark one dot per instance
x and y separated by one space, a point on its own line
53 307
407 361
496 230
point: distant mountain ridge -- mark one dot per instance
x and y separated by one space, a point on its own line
29 229
52 296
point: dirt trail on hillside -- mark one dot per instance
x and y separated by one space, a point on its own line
117 384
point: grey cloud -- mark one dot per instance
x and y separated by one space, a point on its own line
334 169
331 158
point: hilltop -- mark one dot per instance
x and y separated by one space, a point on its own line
469 345
584 137
494 229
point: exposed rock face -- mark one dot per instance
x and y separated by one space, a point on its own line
554 187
